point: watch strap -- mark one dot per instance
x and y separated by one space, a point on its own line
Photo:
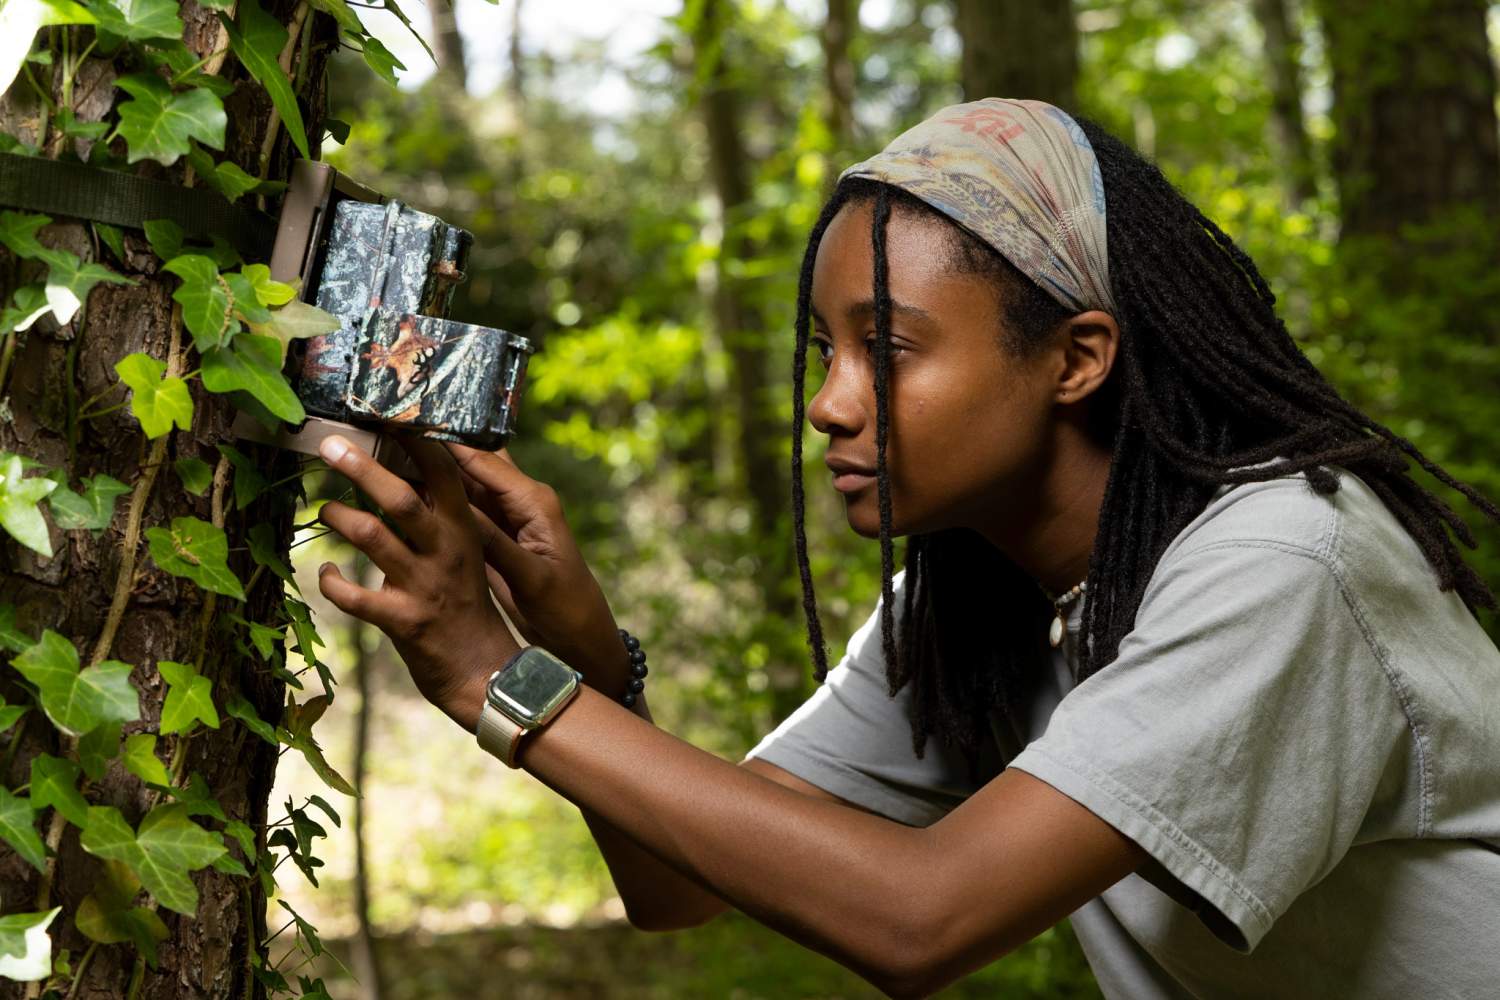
499 734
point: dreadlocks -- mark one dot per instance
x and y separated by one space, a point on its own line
1208 389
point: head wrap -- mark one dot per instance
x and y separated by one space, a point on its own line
1021 176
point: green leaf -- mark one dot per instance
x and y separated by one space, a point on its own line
222 253
54 782
246 303
296 731
19 23
322 804
226 178
190 698
302 625
239 708
196 474
269 292
18 232
198 799
77 700
141 760
257 41
242 834
18 829
28 305
161 852
112 237
284 838
69 282
11 635
157 402
97 747
25 945
248 482
205 300
11 714
68 124
338 130
107 916
157 124
305 827
307 930
93 509
340 12
230 866
253 363
294 321
380 59
165 237
265 551
137 20
20 495
193 548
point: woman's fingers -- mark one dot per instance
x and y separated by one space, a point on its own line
513 491
504 554
439 474
367 533
375 607
393 494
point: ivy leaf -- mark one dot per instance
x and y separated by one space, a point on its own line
258 42
137 20
198 799
338 130
239 708
380 59
77 700
141 760
190 698
306 929
20 514
322 804
11 714
112 237
284 838
18 829
340 12
25 946
54 782
243 835
69 281
230 866
157 124
246 303
18 232
157 402
165 237
267 291
296 732
205 300
222 252
107 916
27 306
264 550
196 475
294 321
11 636
161 852
305 827
93 509
253 363
97 747
248 482
226 178
193 548
303 627
19 23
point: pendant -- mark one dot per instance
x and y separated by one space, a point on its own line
1055 636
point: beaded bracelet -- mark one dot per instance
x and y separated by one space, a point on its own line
638 669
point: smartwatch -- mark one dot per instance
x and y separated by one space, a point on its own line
524 694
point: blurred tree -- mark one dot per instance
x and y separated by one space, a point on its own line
1283 48
1019 48
448 43
364 640
838 70
517 78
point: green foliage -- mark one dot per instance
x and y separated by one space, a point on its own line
25 948
54 782
18 829
193 548
253 363
140 759
195 474
190 699
92 509
258 41
160 852
20 496
77 700
157 402
107 915
158 124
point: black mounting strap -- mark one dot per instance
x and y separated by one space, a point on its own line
57 187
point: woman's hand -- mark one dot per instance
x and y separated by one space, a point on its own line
536 570
435 602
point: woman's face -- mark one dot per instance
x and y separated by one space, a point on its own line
969 421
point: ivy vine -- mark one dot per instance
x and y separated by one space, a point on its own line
168 108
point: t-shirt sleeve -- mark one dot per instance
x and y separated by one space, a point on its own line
1242 736
852 739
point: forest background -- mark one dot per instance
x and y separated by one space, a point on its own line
640 178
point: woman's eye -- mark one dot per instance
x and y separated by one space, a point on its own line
824 349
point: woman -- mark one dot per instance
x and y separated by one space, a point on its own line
1178 644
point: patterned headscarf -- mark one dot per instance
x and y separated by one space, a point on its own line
1021 176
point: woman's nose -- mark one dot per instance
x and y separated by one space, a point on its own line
838 408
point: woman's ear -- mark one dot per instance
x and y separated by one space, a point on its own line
1089 343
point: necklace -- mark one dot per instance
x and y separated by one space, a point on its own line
1055 635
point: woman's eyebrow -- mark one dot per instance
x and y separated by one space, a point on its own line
866 308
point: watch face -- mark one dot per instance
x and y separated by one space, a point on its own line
534 686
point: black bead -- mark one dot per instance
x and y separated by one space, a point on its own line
638 656
638 670
631 642
637 685
628 700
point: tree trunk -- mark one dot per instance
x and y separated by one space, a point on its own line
447 43
517 80
741 326
152 616
838 70
1414 112
1020 49
1282 47
365 951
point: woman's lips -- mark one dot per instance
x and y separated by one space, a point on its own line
851 482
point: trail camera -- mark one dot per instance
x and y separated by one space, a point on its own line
387 271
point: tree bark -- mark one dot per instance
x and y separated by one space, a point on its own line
55 370
1282 47
1414 112
447 43
1020 49
838 70
741 323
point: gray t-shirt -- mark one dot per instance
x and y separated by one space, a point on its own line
1302 731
